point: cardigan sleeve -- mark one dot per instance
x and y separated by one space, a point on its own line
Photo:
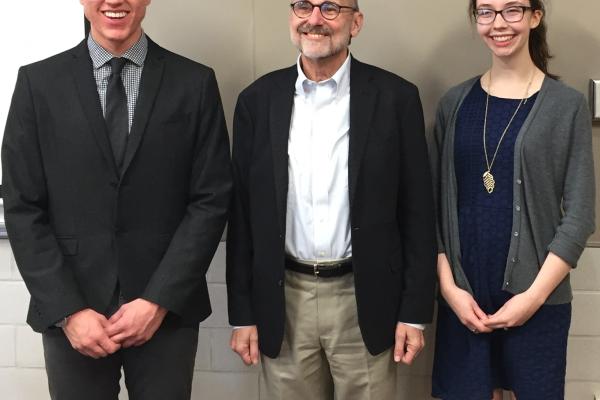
578 221
435 153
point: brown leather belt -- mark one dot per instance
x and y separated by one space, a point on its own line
321 270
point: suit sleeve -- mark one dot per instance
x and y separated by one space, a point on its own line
417 218
182 270
52 285
239 240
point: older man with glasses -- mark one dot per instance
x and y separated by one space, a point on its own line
331 246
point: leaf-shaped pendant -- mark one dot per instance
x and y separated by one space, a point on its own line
488 181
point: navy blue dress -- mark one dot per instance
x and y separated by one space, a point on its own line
529 360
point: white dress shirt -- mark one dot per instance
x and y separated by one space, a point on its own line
318 208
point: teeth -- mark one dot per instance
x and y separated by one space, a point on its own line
502 38
115 14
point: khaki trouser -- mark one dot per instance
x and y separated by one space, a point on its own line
323 351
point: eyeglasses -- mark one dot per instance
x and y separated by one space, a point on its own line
486 16
329 10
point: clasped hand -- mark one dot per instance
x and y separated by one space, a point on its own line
93 335
515 312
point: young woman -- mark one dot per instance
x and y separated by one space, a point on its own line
513 170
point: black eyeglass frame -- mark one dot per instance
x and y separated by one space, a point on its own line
320 7
501 12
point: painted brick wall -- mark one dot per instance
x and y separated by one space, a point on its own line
221 376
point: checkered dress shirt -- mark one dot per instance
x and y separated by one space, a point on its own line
131 74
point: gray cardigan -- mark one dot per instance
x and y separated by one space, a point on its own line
553 200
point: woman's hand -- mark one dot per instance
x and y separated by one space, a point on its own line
466 309
462 303
516 311
521 307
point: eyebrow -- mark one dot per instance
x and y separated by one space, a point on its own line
509 4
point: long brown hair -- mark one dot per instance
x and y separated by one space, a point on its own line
538 43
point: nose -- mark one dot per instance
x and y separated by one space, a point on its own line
500 22
316 18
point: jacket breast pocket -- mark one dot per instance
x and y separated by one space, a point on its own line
179 119
68 246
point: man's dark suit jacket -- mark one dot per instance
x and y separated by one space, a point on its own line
391 206
77 225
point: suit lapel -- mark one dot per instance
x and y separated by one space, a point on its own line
363 98
149 85
280 117
90 102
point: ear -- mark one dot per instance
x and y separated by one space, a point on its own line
357 23
536 18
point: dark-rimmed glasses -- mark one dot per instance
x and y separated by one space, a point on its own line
329 10
486 16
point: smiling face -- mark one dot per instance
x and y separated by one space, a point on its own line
319 39
508 39
115 24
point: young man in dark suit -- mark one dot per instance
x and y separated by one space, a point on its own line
116 183
331 246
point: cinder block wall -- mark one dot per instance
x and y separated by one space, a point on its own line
220 375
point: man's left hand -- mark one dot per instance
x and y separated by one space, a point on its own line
135 322
409 343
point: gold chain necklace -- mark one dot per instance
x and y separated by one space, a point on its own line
488 179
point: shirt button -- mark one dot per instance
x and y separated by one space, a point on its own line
516 234
507 284
514 260
280 283
519 181
518 208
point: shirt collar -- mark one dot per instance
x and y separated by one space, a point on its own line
136 53
341 78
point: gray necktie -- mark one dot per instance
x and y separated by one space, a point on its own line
116 115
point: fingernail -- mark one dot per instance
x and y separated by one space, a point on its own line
397 358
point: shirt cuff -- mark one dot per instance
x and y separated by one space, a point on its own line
418 326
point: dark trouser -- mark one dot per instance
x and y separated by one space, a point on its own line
161 369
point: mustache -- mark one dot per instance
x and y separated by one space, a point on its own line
314 29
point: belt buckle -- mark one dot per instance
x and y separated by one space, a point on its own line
316 269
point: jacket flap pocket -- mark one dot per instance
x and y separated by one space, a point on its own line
68 246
